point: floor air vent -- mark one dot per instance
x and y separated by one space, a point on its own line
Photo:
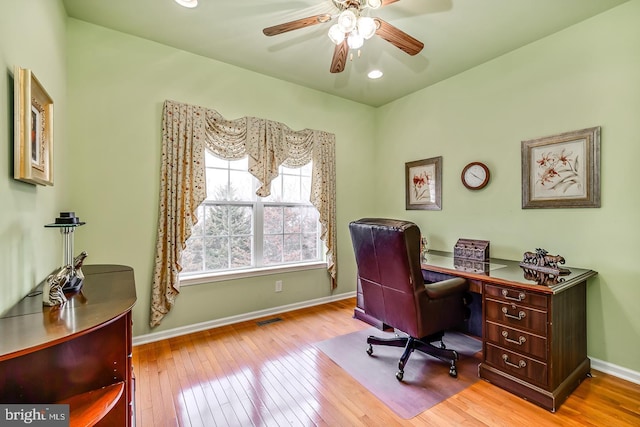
268 321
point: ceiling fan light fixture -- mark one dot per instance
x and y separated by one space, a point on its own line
366 27
355 40
336 34
347 21
374 4
187 3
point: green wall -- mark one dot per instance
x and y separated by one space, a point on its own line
32 35
587 75
117 85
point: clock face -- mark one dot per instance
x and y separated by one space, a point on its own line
475 175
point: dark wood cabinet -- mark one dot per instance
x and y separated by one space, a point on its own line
79 353
534 333
541 356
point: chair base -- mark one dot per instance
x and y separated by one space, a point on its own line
424 345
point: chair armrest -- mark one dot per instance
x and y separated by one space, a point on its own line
445 288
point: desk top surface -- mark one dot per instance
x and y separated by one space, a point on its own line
506 272
108 291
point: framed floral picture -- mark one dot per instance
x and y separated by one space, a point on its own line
562 171
33 138
423 181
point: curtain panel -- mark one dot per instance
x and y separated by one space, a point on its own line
186 131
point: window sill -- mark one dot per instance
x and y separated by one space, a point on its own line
198 279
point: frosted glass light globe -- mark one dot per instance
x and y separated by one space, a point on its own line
366 27
347 21
355 40
374 4
336 34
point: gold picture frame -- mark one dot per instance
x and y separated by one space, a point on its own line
33 130
423 184
562 171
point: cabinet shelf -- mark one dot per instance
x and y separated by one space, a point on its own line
88 408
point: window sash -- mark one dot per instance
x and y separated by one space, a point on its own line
257 238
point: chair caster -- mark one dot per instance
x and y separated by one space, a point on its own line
370 350
399 375
453 372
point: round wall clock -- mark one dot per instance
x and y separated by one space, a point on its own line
475 176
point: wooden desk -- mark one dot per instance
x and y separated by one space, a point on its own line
534 335
79 353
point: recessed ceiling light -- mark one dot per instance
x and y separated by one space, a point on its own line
375 74
187 3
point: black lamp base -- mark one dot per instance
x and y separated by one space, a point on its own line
72 285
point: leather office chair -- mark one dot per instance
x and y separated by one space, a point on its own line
387 255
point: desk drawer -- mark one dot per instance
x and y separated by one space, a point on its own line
517 316
517 340
516 296
517 365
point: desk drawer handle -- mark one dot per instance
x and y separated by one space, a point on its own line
521 340
521 315
521 363
521 296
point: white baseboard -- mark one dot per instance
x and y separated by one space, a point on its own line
615 370
183 330
599 365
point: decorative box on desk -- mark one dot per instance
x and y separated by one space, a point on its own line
471 255
475 250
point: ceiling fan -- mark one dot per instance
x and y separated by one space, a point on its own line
352 29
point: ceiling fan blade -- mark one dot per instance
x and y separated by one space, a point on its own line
297 24
398 38
339 60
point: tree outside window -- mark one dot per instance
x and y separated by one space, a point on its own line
239 230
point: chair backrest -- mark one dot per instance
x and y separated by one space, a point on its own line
387 254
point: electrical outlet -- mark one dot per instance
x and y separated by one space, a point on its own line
278 285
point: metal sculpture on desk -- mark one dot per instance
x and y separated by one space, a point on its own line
541 261
52 293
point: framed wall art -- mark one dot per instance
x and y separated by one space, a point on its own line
423 182
33 130
562 171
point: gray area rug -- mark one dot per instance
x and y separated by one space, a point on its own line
426 379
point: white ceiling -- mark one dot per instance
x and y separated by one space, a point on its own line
457 34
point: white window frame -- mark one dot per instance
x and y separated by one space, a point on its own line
186 279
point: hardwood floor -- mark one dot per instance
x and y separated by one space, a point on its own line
272 375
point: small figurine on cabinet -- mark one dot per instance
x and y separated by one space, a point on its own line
52 293
74 281
77 264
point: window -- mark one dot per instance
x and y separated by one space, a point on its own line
238 230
